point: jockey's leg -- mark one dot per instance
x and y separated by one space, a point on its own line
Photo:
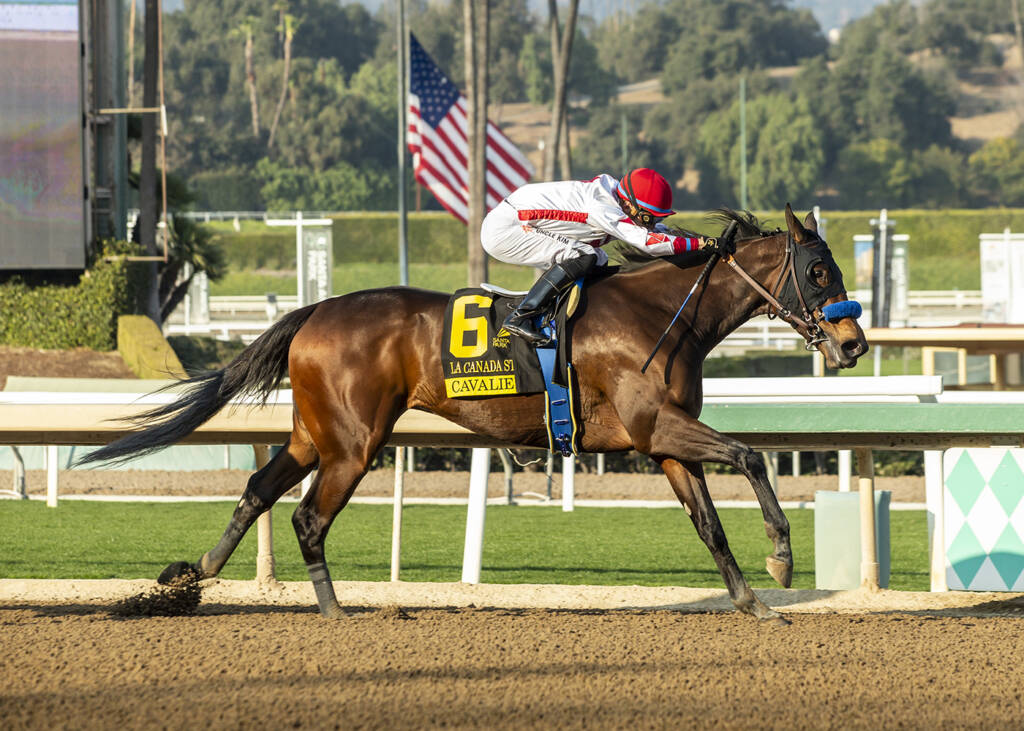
551 283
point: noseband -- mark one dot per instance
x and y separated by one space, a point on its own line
808 323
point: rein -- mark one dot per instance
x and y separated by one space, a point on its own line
808 324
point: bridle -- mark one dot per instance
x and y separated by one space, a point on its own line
808 323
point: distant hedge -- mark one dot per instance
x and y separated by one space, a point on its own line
58 317
943 244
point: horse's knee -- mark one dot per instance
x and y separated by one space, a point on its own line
752 463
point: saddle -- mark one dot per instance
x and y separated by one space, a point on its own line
481 359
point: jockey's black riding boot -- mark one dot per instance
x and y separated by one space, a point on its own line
554 281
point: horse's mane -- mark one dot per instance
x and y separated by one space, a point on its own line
748 226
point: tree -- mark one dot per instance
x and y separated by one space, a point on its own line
997 172
561 53
245 30
288 27
784 150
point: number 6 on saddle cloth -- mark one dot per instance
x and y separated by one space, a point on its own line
480 359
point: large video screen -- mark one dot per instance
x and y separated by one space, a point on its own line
42 207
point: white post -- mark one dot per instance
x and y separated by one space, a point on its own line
600 463
771 466
568 484
300 264
845 471
472 555
933 487
264 529
868 547
396 513
796 464
52 475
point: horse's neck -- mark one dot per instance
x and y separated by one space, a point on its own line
762 259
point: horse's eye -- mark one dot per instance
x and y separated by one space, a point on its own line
820 272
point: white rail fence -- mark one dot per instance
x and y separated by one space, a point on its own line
83 418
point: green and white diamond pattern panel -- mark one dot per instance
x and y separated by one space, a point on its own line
984 519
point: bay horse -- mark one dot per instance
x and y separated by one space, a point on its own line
357 361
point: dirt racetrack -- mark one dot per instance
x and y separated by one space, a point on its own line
847 661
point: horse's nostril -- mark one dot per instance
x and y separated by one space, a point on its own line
854 348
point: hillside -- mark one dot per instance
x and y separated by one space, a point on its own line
990 104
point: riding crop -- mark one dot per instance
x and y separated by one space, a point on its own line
723 242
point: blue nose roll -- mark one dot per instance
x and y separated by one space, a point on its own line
838 310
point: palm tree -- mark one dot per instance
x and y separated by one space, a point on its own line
245 30
289 25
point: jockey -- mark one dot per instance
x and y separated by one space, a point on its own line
562 226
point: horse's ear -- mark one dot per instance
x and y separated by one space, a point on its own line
810 222
799 232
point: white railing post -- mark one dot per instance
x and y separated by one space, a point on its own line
265 529
472 554
396 513
568 484
52 475
845 470
868 547
934 480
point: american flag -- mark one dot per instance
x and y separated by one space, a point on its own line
437 141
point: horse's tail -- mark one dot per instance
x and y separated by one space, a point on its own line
257 371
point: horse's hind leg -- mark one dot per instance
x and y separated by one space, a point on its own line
688 483
284 471
335 482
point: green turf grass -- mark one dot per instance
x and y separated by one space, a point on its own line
654 547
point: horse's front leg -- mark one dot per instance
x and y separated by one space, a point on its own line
677 434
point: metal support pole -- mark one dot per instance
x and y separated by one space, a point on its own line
600 463
506 463
396 513
868 546
403 241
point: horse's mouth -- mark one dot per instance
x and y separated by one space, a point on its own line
846 354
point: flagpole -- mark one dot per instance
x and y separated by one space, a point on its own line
403 101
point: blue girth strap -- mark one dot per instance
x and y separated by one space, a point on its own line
559 411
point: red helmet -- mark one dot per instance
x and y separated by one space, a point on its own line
647 190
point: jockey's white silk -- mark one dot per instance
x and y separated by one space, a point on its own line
542 223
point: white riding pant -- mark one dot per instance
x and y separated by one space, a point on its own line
507 239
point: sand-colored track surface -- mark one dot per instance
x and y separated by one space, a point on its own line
429 655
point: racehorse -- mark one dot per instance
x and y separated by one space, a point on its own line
357 361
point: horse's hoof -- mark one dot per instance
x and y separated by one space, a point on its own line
179 572
781 571
777 621
333 611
